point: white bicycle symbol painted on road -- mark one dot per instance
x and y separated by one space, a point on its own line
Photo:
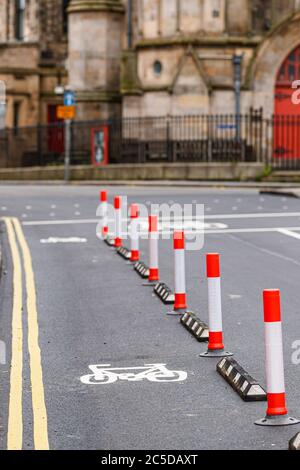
104 374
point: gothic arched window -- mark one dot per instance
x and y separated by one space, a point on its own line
290 69
19 19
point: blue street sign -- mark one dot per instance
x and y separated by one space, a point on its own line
69 98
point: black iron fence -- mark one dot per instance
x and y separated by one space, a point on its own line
201 138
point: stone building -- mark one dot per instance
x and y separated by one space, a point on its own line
183 52
147 57
33 50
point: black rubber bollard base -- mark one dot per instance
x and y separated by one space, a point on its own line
176 313
277 421
216 353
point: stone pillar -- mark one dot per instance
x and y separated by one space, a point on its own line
95 35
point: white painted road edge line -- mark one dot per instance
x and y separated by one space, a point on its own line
289 233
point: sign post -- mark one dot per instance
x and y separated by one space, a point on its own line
237 65
67 112
67 149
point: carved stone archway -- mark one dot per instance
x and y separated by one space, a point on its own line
263 71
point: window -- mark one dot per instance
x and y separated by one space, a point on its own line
16 115
261 16
290 69
65 15
157 67
19 19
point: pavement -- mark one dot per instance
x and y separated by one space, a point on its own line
92 309
262 185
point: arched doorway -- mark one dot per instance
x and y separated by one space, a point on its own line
287 114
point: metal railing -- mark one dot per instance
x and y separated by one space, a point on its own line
200 138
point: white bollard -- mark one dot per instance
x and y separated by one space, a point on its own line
118 221
134 233
215 343
103 202
179 271
153 249
277 414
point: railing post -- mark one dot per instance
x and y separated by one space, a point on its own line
170 156
39 144
209 140
272 130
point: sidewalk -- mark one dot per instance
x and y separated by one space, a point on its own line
268 187
289 191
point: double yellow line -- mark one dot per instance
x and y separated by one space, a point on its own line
20 252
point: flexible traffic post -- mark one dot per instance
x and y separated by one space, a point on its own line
215 343
277 414
118 221
134 233
180 306
179 272
153 250
103 202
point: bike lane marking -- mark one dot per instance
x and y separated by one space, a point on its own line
15 414
103 374
40 421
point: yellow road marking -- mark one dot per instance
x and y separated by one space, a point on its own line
40 425
15 415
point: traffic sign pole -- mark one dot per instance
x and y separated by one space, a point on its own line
67 149
68 113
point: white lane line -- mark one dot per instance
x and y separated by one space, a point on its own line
252 230
61 222
289 233
265 250
63 240
254 216
217 216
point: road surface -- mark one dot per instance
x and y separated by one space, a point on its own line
68 305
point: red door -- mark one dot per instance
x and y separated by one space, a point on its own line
55 131
287 114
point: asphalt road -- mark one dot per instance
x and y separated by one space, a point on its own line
93 309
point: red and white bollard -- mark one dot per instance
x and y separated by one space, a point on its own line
153 251
179 273
134 233
215 343
103 202
277 414
118 221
